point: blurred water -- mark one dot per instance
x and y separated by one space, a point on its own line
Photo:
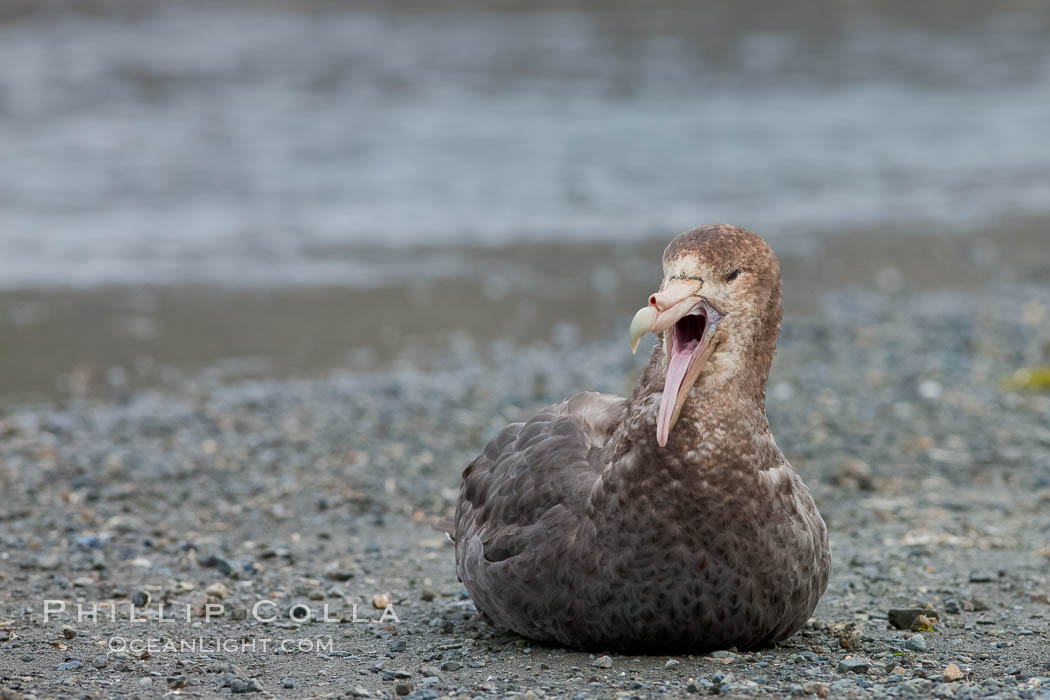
270 145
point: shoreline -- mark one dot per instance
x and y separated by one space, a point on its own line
76 342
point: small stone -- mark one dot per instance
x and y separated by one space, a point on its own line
975 604
849 635
853 473
982 577
921 624
916 642
68 666
917 687
602 662
176 682
288 683
722 654
952 673
380 601
930 390
854 664
217 590
100 662
360 691
255 685
428 594
48 562
238 685
146 682
672 664
68 632
403 688
225 566
140 599
815 688
904 618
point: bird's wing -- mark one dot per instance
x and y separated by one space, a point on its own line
535 475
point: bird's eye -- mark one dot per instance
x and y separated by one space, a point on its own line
733 275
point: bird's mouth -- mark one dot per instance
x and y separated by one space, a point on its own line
689 323
688 345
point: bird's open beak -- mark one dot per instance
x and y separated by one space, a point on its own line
690 323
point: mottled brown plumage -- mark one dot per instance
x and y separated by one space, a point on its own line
577 528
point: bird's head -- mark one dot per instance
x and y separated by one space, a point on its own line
718 311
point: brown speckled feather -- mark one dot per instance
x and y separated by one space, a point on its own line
576 528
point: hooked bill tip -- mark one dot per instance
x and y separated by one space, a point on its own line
641 324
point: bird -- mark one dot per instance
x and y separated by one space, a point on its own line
665 522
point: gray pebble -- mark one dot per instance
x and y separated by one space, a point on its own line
68 666
916 642
48 562
225 566
288 683
854 664
602 662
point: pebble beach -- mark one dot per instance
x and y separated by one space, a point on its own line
317 496
273 274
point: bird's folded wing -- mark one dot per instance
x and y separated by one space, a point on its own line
536 472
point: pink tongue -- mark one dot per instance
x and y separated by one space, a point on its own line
675 375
